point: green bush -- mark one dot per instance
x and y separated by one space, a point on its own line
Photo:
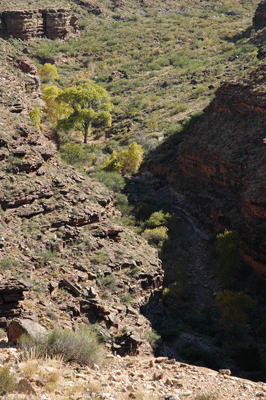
48 255
158 218
81 346
5 264
48 72
72 153
126 160
156 236
152 337
113 180
7 380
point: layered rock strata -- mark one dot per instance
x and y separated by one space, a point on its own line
11 295
28 24
224 157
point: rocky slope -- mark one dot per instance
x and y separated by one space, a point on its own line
64 257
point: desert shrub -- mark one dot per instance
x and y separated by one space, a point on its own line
156 236
152 337
5 264
206 396
7 380
48 72
113 180
72 153
35 117
235 308
81 346
48 255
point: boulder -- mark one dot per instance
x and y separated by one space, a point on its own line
19 327
24 386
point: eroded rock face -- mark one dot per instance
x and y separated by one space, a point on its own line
224 157
28 24
11 295
260 14
222 168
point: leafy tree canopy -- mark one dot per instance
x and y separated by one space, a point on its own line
126 160
54 110
90 105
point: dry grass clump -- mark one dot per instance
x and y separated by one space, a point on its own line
81 346
7 380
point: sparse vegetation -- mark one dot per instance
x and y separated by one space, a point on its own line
7 380
81 346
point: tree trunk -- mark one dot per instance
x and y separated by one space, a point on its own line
86 127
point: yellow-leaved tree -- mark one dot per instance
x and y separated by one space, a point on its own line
48 72
54 109
126 160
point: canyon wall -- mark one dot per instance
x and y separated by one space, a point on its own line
28 24
221 167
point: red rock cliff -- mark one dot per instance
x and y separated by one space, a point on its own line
222 167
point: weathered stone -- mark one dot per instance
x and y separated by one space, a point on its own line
135 340
19 327
72 287
157 376
160 360
82 276
24 386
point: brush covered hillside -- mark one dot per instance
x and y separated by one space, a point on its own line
79 239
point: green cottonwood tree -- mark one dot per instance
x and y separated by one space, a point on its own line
54 110
90 104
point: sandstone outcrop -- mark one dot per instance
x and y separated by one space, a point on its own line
29 24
